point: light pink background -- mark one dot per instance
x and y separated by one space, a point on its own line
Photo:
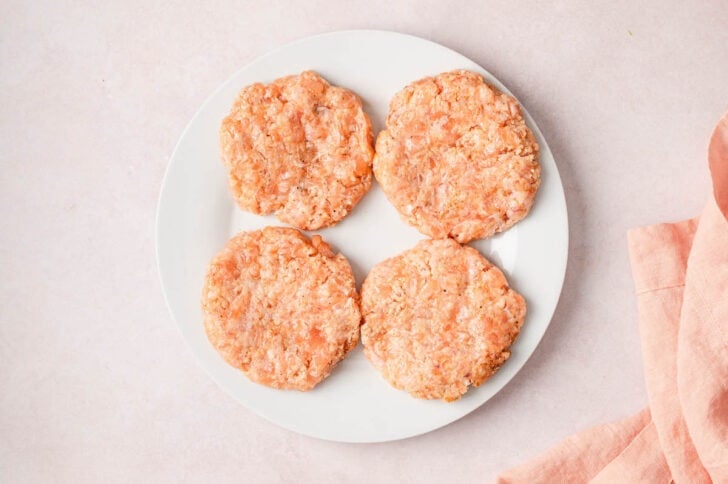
95 382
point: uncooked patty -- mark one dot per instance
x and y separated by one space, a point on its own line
456 158
439 318
280 307
299 148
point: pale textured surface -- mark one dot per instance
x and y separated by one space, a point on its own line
97 384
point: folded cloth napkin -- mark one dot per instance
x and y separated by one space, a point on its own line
680 273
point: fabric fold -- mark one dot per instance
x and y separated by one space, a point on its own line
718 162
659 258
567 463
640 461
702 356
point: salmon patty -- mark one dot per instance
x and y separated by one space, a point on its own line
280 307
299 148
456 158
438 319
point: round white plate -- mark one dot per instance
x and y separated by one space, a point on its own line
197 215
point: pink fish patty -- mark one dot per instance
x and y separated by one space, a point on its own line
456 158
299 148
438 319
280 307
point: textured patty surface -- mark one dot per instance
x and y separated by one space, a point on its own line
439 318
456 158
280 307
299 148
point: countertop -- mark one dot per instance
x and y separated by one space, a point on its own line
96 383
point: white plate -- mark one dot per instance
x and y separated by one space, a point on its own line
196 216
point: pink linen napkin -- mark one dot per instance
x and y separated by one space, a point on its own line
680 272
